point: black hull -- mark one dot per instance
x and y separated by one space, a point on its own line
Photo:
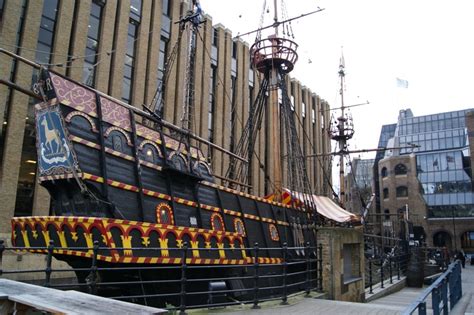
120 184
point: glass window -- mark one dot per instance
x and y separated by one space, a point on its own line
402 191
130 58
384 172
43 53
45 36
136 9
385 193
166 7
92 47
400 169
2 3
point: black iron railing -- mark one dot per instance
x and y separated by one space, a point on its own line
445 292
264 281
384 270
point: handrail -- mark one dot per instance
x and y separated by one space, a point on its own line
444 279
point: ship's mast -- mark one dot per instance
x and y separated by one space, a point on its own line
274 116
342 132
274 56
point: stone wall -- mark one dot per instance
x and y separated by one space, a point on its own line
343 263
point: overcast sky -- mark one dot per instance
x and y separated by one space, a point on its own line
428 43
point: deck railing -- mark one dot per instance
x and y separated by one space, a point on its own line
384 270
445 292
302 273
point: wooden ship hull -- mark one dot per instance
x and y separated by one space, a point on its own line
119 180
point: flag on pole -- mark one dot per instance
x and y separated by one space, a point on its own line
402 83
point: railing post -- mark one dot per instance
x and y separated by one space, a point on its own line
308 270
444 295
390 268
382 275
49 260
422 308
93 273
2 249
320 267
398 267
182 306
255 287
285 266
370 276
435 301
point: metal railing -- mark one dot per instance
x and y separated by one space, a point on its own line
275 281
384 270
445 292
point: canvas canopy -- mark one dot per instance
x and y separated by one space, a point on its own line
324 205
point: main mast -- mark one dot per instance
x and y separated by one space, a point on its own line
274 56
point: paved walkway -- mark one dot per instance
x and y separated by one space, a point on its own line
392 304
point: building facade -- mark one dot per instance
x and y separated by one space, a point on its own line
123 48
429 178
359 185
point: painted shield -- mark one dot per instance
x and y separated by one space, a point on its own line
54 151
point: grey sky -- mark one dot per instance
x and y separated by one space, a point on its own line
427 43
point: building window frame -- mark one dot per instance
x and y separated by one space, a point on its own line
400 169
402 192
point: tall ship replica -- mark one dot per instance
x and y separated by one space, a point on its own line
141 191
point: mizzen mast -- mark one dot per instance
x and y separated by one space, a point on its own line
341 132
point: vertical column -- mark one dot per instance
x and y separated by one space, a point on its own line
223 104
8 32
275 137
78 36
18 110
119 47
106 53
153 48
63 33
178 74
139 76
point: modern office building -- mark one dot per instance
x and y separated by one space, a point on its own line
122 48
429 177
359 185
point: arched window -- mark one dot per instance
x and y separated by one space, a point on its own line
400 169
273 232
384 172
385 193
217 222
402 191
117 143
387 214
239 226
164 215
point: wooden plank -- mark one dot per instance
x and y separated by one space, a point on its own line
68 302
